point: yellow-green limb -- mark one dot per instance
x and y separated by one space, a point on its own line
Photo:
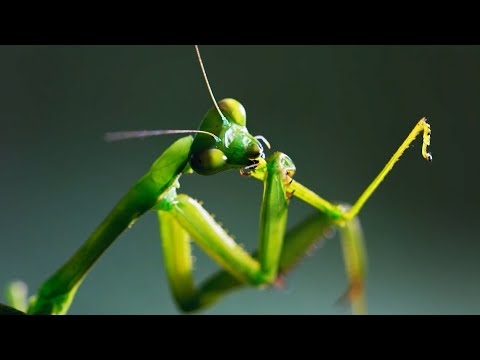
422 126
334 211
355 259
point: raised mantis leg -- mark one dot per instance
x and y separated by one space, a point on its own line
337 213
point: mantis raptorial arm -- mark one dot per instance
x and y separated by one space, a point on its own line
181 216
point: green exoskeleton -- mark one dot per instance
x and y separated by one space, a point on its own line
222 142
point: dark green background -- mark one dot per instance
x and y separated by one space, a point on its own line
339 111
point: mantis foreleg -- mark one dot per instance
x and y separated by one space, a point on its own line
181 216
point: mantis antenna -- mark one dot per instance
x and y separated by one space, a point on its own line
208 84
258 137
123 135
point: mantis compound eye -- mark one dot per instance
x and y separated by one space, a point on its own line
208 162
234 111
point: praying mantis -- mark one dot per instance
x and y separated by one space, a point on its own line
222 142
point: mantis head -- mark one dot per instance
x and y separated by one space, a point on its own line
232 148
221 143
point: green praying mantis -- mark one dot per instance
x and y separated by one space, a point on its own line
222 142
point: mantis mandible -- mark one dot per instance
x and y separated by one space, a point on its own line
222 142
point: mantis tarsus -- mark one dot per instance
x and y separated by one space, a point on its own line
222 142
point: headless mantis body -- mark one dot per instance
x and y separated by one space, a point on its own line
221 143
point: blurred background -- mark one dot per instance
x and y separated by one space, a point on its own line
339 112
